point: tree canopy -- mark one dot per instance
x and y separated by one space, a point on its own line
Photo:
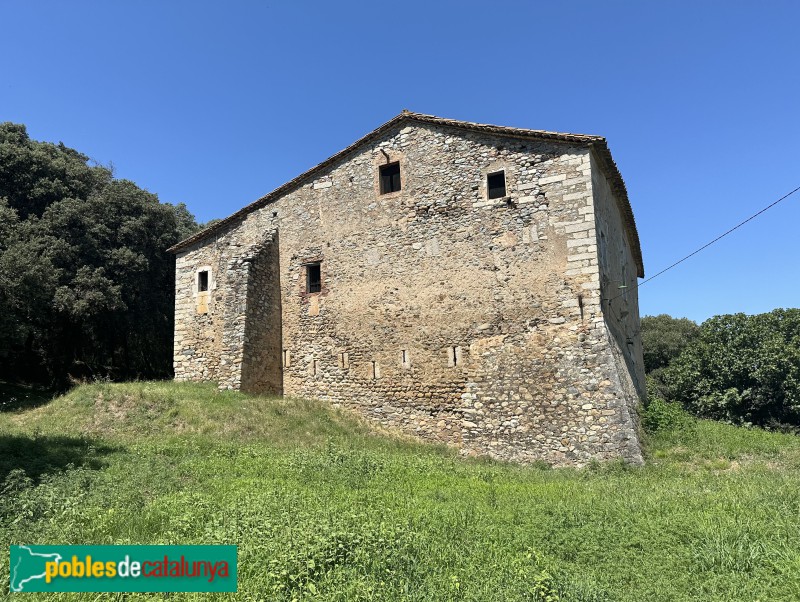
86 285
664 338
735 367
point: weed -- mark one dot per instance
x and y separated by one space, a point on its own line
323 507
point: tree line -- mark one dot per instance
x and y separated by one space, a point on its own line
86 285
737 368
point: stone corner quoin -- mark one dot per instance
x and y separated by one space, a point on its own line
400 280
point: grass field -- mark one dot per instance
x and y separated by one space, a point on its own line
323 507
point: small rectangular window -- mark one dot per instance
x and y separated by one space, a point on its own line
390 177
202 281
314 277
496 184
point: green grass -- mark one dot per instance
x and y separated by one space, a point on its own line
324 507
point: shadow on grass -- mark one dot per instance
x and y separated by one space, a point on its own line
20 397
42 455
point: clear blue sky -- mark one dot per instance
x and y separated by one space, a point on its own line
215 104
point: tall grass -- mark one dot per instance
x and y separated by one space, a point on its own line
324 507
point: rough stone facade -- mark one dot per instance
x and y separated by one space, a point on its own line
505 326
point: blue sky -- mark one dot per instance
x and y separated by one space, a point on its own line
215 104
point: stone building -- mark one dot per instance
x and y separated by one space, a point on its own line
465 283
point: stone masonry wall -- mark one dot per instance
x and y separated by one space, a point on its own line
263 341
618 285
453 317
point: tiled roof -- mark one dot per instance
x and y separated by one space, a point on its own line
598 143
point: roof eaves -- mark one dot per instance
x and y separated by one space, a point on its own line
609 166
597 142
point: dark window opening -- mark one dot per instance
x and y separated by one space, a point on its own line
202 281
455 355
496 184
314 277
390 177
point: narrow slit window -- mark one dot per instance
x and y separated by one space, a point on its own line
314 367
390 177
496 184
202 281
454 351
286 358
314 277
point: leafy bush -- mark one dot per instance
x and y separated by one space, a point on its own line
664 338
742 369
660 415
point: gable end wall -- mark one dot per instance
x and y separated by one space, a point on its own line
464 320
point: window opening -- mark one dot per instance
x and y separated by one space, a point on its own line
202 281
314 277
496 184
390 177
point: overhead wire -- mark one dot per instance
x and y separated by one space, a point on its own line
705 246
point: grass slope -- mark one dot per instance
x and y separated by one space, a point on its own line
323 507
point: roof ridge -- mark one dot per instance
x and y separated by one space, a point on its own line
597 142
488 126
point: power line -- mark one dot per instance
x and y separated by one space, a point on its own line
705 246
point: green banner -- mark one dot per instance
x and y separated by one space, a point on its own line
123 568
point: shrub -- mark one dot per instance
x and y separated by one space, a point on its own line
742 369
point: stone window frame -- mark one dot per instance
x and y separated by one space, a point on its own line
509 169
373 370
405 358
381 171
196 284
382 157
303 280
201 298
455 356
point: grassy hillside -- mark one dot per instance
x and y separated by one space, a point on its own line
323 507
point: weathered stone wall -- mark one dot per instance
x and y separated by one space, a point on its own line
263 342
618 284
454 317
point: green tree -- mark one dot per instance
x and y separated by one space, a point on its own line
742 369
85 280
664 338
